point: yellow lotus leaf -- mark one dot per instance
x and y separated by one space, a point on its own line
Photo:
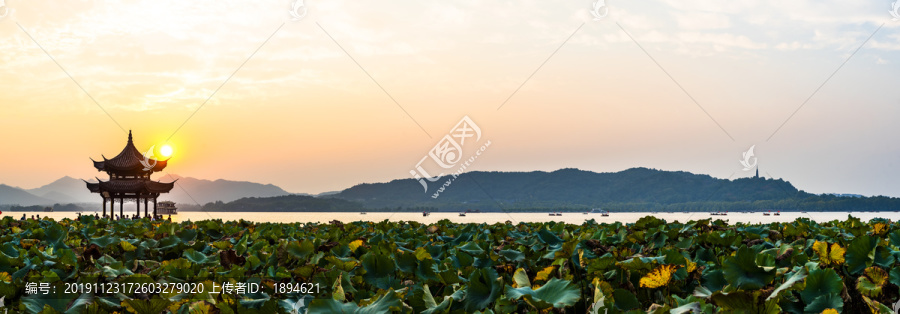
877 275
830 311
127 246
4 277
837 254
659 277
880 228
821 248
691 266
544 274
355 245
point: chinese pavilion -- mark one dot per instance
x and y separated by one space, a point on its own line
129 178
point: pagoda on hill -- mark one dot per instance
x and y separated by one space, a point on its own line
129 178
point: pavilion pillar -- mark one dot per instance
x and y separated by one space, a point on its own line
146 206
137 204
104 207
121 208
154 206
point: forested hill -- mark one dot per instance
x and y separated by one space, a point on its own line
632 189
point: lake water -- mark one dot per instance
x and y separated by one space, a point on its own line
572 218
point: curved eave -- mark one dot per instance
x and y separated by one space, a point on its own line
139 167
93 187
159 187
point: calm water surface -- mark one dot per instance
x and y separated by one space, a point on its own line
572 218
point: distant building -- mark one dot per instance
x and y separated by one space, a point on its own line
129 178
167 208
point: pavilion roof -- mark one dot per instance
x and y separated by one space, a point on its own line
130 186
129 160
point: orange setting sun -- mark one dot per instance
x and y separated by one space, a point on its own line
166 151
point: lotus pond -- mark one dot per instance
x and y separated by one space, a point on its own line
652 266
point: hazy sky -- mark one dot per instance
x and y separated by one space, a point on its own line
301 113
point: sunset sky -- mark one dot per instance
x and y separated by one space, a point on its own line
301 114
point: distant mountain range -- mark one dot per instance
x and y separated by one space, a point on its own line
632 189
189 191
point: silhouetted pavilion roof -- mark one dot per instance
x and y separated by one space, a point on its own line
129 160
130 186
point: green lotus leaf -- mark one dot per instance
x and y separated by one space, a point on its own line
195 257
254 300
241 247
168 242
379 269
56 235
824 302
105 241
555 293
471 248
9 249
482 289
512 255
385 304
431 306
67 257
152 306
742 272
300 249
548 237
187 235
58 301
798 275
860 253
625 300
821 282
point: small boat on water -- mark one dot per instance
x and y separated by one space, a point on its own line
605 214
462 214
362 213
766 214
777 213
